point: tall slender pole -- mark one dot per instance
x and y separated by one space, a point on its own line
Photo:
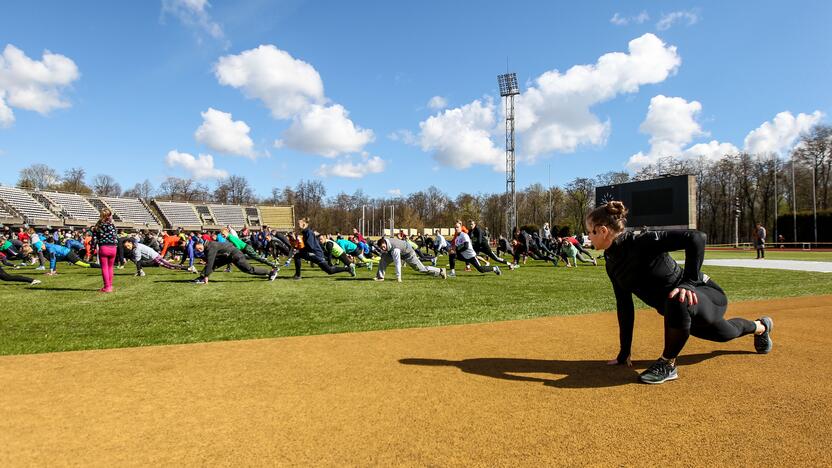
814 201
794 203
776 160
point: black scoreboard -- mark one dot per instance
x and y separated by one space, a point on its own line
666 202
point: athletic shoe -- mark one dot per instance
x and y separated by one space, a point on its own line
452 274
273 274
433 262
369 266
201 280
487 264
140 273
296 278
399 279
512 267
287 263
228 270
120 267
443 273
17 267
594 262
378 279
35 282
497 271
106 290
40 268
660 372
762 342
467 267
352 269
192 269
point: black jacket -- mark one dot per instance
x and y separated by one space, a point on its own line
640 265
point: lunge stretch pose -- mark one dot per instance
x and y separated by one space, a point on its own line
398 251
691 303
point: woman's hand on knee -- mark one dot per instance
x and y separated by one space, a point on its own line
685 295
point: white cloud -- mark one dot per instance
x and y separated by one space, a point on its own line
780 133
199 168
286 85
671 124
326 131
554 114
395 192
437 103
6 114
33 85
405 136
619 20
293 89
194 14
710 151
461 136
220 133
667 20
346 168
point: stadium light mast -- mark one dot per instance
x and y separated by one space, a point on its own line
509 89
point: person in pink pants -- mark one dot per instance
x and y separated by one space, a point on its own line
106 237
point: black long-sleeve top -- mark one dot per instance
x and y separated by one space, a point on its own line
311 244
640 265
477 237
212 250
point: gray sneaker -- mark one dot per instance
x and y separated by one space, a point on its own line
762 342
660 372
497 271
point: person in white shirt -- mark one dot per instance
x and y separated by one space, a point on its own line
463 250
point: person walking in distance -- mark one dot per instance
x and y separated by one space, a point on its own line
760 241
691 302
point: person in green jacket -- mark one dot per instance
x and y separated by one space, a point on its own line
247 249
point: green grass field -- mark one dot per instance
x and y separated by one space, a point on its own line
67 313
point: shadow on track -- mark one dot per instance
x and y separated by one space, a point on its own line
576 374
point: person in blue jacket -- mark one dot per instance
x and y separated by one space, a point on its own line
56 253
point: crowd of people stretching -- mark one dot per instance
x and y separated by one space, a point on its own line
104 247
691 303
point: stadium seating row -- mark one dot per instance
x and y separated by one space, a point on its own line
70 209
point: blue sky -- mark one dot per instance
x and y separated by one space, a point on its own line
341 90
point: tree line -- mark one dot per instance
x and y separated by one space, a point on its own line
742 179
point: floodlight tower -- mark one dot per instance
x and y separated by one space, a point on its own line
509 89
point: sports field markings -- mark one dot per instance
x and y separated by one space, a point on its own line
794 265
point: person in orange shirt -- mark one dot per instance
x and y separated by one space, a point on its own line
170 242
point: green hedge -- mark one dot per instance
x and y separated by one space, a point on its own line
805 226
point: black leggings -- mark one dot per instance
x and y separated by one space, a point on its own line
486 249
704 320
322 263
7 277
472 261
239 261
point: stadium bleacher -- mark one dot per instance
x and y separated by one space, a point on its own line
252 216
178 214
228 215
277 217
72 206
29 208
205 215
131 211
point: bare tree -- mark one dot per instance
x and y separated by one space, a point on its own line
38 176
141 190
106 186
234 190
73 181
186 190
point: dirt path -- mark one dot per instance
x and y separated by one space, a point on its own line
529 392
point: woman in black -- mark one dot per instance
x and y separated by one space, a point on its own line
691 303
